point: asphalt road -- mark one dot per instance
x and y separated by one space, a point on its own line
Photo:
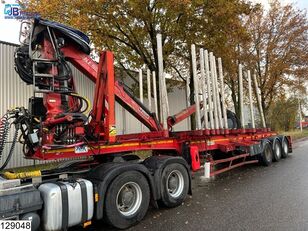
248 198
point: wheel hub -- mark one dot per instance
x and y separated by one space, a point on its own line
278 150
267 153
129 198
285 147
175 183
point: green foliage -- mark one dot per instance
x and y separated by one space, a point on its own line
296 134
283 114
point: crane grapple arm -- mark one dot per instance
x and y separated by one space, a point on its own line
90 68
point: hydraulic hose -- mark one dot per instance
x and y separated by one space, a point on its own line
87 101
11 150
4 131
23 66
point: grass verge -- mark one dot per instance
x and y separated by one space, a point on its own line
296 134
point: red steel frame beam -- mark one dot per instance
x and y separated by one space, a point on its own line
155 141
231 165
103 149
104 99
172 120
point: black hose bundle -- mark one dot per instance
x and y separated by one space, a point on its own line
4 131
24 65
11 150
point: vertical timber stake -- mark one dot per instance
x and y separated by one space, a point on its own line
250 102
208 83
216 122
155 93
205 114
196 86
220 123
222 91
240 74
162 84
149 89
141 91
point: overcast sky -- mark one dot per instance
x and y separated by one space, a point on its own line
302 4
9 28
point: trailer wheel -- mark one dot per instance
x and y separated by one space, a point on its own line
277 150
127 200
285 147
266 156
174 185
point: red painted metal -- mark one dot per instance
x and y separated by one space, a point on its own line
231 165
195 159
155 141
52 101
244 162
172 120
103 113
110 124
53 121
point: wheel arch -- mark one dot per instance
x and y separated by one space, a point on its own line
273 140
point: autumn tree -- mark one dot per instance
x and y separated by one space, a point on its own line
277 50
129 29
283 114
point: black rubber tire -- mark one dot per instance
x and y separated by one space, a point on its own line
277 150
111 213
167 199
285 147
233 120
266 157
131 157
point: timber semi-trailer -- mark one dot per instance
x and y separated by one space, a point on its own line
107 181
